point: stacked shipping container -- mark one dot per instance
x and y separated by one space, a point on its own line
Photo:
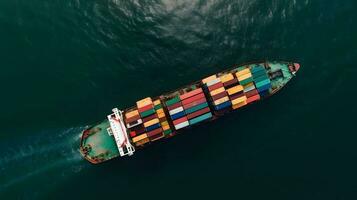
216 89
162 117
261 79
188 108
150 124
237 89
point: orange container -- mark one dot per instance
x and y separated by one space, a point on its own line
208 79
131 113
217 91
227 77
144 102
235 89
242 72
241 104
140 137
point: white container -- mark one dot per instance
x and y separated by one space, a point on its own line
181 125
176 110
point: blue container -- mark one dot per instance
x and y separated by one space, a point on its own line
264 93
178 115
257 69
153 127
223 105
259 73
264 88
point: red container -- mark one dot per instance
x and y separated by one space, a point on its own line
138 129
154 132
146 119
145 108
176 105
162 119
155 137
253 98
220 95
132 119
230 83
132 133
195 103
178 121
215 86
251 93
190 94
235 96
198 113
192 99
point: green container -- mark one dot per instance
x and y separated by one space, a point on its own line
259 73
262 83
157 107
195 108
173 101
257 69
147 113
246 81
168 131
200 118
260 78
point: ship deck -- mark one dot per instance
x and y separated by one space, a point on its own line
101 145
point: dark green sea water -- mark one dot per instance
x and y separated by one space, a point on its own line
66 63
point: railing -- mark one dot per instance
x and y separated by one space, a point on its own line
118 129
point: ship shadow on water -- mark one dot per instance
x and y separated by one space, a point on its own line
39 161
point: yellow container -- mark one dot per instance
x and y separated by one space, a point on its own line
157 102
248 85
140 137
142 142
164 123
151 122
221 100
239 100
208 79
235 89
166 127
131 114
161 115
242 72
245 76
144 102
241 104
226 78
160 111
217 91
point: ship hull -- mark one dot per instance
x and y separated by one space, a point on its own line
98 146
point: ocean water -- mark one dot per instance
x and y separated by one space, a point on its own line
65 64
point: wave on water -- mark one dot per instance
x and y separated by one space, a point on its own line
42 157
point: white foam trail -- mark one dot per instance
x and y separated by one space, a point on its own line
40 153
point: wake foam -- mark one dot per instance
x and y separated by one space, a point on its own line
52 153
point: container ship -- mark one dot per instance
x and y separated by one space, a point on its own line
155 119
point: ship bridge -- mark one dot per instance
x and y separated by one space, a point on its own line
119 131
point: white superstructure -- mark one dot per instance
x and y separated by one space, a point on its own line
119 131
